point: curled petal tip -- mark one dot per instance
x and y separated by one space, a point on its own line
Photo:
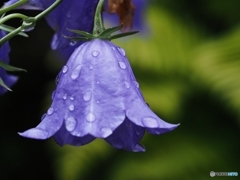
139 148
35 133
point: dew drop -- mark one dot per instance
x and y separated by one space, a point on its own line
71 98
97 102
150 122
65 96
98 82
53 94
122 52
136 84
71 107
95 53
70 123
76 72
122 65
105 132
126 84
73 43
64 69
113 48
87 96
43 116
50 111
90 67
90 117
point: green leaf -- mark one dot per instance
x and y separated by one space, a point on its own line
83 33
4 85
123 35
10 29
9 67
109 31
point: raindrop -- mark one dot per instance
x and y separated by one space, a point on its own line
150 122
126 84
97 82
136 84
65 96
50 111
64 69
76 72
106 132
71 98
71 107
87 96
122 65
95 53
122 52
73 43
90 67
43 116
70 123
53 94
90 117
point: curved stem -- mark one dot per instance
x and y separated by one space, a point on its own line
98 24
13 6
10 35
10 16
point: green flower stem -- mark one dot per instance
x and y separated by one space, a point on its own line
10 35
48 10
98 24
13 6
10 16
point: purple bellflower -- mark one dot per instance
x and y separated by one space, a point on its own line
9 80
97 96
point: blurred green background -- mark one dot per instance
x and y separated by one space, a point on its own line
188 68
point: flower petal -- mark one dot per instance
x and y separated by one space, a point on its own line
140 114
64 137
127 136
50 124
96 79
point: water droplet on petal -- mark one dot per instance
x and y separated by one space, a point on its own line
50 111
76 72
43 116
136 84
64 69
90 117
126 84
97 82
70 123
90 67
122 65
105 132
113 48
71 107
53 94
95 53
97 102
122 52
65 96
87 96
117 144
71 98
73 43
150 122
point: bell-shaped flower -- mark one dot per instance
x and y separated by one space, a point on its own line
97 96
9 80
